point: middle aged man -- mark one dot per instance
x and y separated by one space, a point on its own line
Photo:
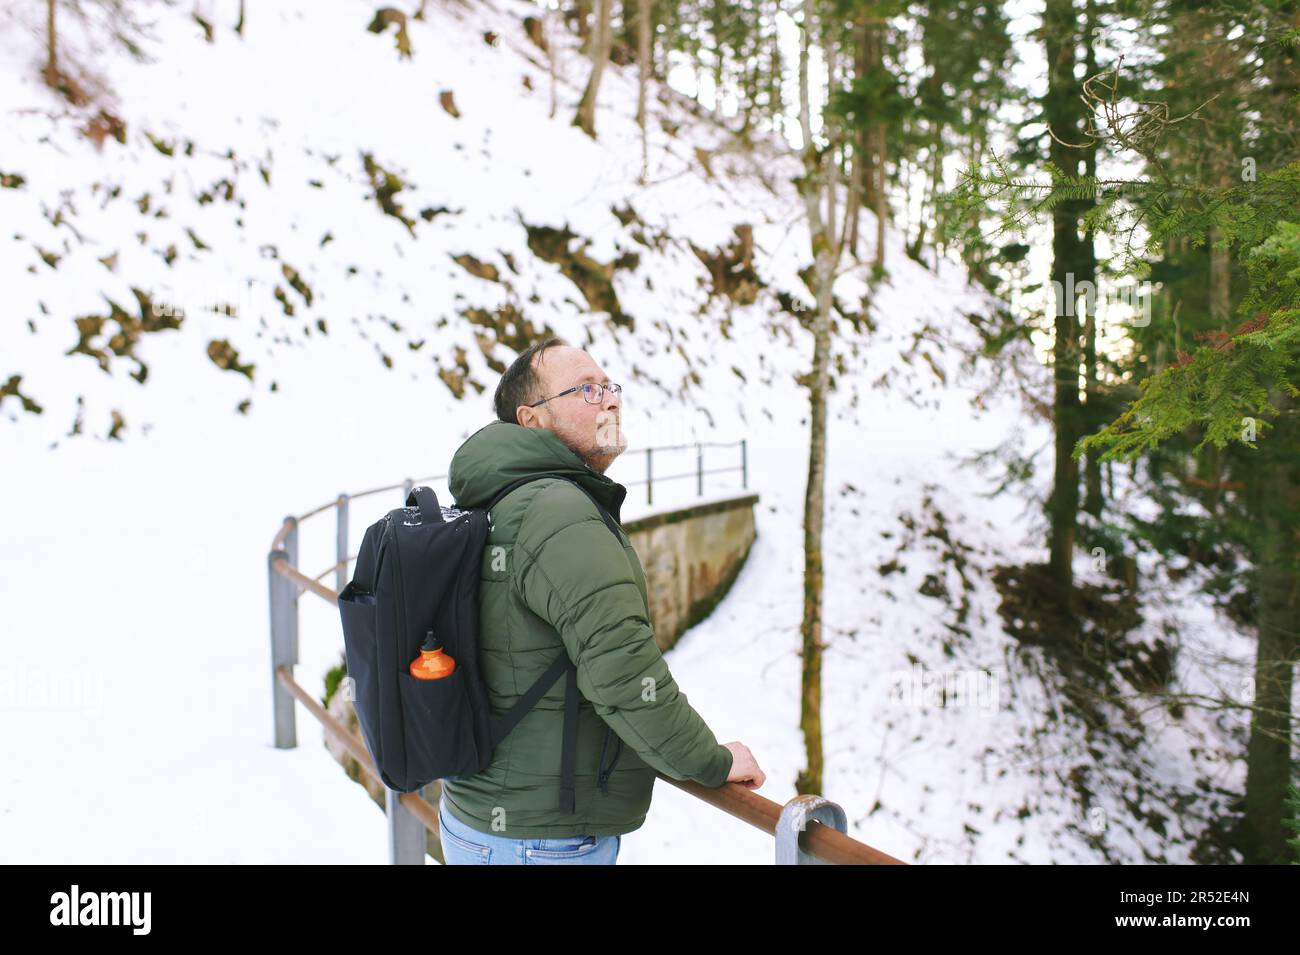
556 579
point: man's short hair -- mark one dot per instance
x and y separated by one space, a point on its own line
521 385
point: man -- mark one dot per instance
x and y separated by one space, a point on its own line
556 579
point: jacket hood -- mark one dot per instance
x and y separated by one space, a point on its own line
501 452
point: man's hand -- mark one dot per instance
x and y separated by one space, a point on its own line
744 768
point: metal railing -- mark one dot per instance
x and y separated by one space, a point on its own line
809 829
699 472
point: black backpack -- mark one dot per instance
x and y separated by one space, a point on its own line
418 571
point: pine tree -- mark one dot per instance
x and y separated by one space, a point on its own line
1225 410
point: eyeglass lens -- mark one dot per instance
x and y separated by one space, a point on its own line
594 393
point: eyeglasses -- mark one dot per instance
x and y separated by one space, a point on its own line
592 392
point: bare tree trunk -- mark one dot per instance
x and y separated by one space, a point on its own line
584 14
936 176
847 171
867 182
832 147
52 60
775 71
548 20
1277 583
1063 112
863 166
819 178
643 78
873 173
882 207
1092 498
853 176
586 115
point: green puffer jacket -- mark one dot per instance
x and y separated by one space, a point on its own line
555 579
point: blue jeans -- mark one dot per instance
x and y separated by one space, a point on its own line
463 845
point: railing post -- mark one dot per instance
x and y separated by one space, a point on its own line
406 489
699 470
794 820
744 464
284 636
341 545
649 476
406 833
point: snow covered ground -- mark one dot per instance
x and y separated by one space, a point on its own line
134 572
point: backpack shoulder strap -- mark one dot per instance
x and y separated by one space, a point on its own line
604 514
496 499
502 726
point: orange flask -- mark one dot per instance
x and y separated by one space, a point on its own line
432 663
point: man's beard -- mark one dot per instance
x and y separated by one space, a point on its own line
610 440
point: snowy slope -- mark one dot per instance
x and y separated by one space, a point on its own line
148 595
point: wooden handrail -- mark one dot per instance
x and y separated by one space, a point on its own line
732 798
